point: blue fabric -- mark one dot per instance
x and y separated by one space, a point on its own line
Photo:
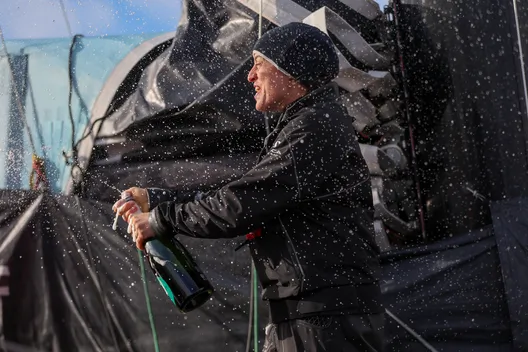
46 98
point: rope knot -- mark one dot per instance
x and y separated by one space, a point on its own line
38 173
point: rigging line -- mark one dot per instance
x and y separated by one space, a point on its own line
78 182
396 6
70 93
251 308
260 20
36 119
411 331
65 15
521 57
17 96
255 309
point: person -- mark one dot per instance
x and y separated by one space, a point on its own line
307 204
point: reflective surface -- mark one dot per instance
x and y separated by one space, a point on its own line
178 274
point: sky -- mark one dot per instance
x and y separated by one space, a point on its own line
23 19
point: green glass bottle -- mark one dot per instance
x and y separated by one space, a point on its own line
175 269
178 274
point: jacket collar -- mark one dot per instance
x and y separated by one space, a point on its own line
328 92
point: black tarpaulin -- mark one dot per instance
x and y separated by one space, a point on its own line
511 232
467 101
75 285
213 38
450 292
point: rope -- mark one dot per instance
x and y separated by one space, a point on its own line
70 96
73 158
410 125
78 184
411 331
37 176
260 20
248 341
147 299
253 312
255 308
66 18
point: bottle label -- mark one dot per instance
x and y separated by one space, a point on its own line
166 287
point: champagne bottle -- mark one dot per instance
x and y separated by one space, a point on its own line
178 274
176 271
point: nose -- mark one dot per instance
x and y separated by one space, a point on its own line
252 75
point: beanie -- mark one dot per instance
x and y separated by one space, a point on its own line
300 51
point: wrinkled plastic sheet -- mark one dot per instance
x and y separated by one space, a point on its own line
214 38
193 173
450 292
511 232
75 285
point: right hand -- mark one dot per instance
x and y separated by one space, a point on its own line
126 209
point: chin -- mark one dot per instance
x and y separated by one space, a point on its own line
261 108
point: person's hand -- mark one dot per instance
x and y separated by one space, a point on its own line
126 209
141 230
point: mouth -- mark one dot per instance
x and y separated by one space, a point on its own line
257 91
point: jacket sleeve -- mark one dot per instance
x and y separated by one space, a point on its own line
306 152
157 196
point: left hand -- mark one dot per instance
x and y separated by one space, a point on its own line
141 230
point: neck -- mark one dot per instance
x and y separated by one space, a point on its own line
295 93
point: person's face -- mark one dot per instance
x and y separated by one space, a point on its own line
273 89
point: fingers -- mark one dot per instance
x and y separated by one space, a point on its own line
140 243
140 196
138 231
129 210
125 194
126 210
118 204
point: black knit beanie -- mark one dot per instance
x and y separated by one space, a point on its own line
301 51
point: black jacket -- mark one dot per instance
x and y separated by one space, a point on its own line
310 195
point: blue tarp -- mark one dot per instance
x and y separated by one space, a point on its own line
41 70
